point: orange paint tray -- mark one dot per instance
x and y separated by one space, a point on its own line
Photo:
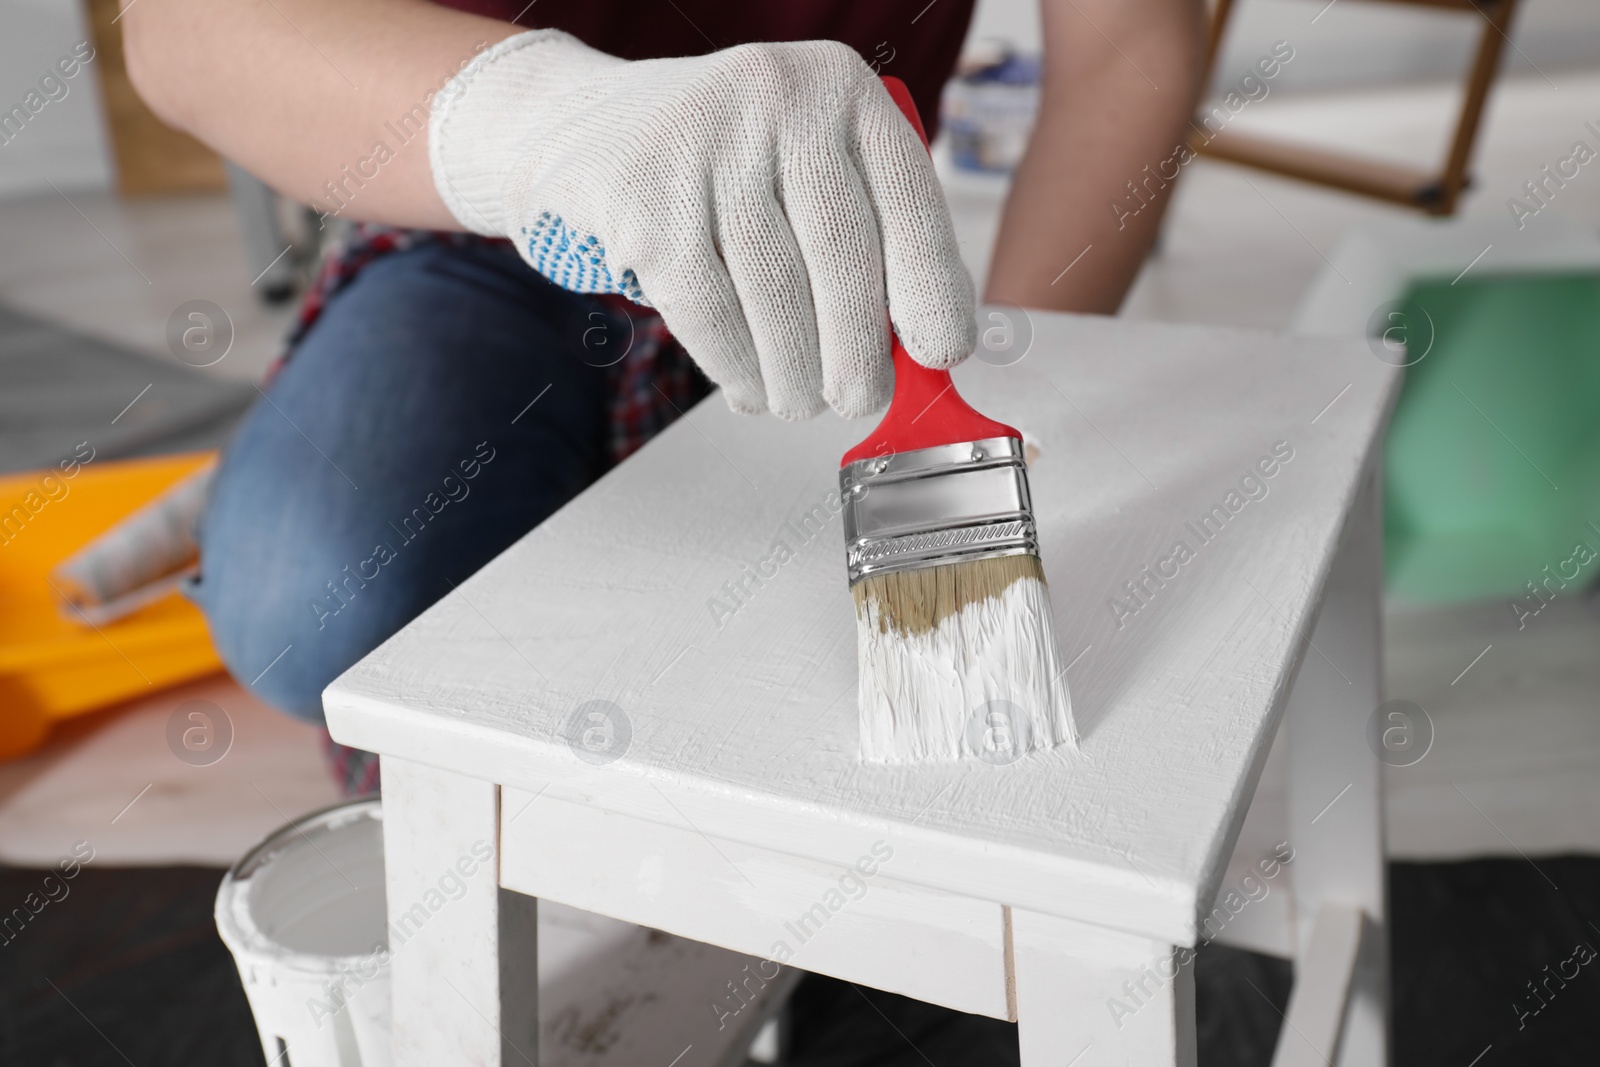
51 667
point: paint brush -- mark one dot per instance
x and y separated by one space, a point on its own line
958 654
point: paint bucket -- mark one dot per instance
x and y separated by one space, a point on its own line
304 915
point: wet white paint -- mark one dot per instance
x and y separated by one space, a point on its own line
985 683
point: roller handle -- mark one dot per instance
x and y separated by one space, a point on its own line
925 410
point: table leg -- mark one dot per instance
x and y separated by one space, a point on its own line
1335 789
463 966
1096 996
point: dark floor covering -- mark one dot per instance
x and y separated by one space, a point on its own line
127 969
63 387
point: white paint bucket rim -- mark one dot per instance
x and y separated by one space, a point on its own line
236 922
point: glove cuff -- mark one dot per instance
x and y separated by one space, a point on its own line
483 116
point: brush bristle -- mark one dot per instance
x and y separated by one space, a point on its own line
959 661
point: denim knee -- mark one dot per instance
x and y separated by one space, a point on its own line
271 536
395 454
270 606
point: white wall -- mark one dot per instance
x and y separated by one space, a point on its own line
1364 44
65 142
1356 43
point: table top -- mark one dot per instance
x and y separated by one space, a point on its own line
738 716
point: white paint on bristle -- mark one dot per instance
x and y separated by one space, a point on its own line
985 683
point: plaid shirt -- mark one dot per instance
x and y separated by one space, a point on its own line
650 386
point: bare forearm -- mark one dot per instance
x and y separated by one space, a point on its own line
326 100
1106 113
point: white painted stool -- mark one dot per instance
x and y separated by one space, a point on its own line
649 709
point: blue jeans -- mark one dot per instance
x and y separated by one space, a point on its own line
393 456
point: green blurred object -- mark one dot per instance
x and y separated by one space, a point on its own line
1492 463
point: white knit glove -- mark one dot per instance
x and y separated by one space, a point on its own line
758 197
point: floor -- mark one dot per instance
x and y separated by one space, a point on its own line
111 781
126 968
119 271
1515 759
66 389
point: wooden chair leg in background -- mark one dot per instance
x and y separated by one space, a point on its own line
1428 191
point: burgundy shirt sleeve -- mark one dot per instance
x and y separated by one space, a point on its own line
915 40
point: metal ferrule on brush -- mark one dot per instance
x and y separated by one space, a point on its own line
938 505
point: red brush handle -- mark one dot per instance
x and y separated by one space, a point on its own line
925 411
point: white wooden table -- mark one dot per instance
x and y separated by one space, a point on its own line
718 795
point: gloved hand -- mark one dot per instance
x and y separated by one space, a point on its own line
758 197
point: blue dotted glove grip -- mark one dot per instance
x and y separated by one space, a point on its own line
575 262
